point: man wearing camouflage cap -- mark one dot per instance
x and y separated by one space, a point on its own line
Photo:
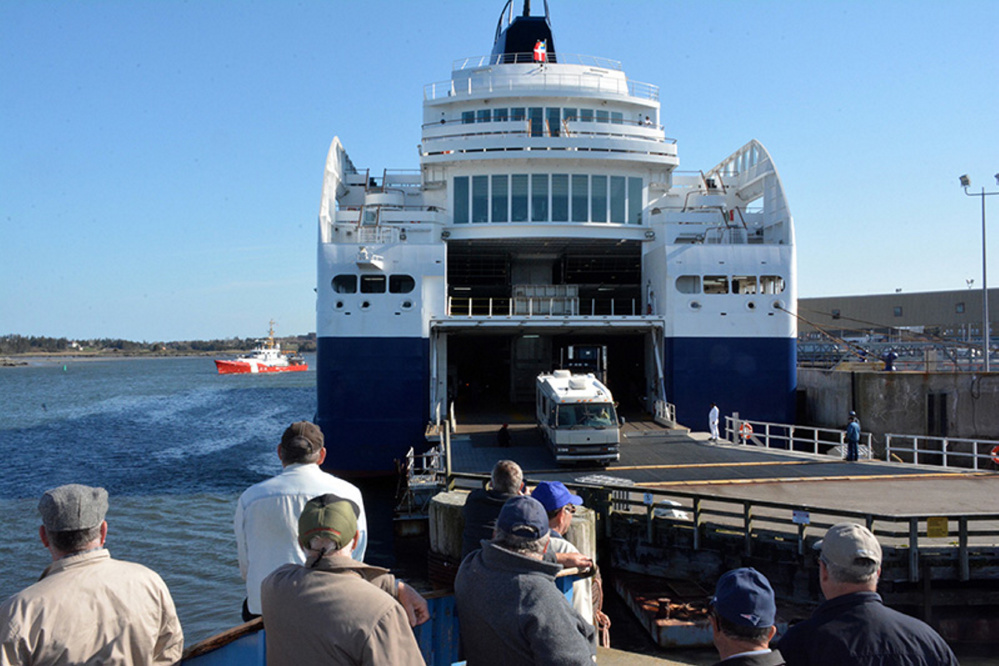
266 521
333 609
853 626
87 607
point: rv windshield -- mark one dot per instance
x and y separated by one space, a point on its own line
587 415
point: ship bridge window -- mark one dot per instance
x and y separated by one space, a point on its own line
586 115
501 196
401 284
617 199
688 284
743 284
480 198
483 116
518 198
580 197
537 121
539 197
715 284
560 197
372 284
568 114
518 113
467 117
554 121
771 284
603 116
345 284
617 117
461 199
598 201
500 115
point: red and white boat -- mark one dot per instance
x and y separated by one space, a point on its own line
267 357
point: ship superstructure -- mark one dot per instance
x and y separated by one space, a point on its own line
548 211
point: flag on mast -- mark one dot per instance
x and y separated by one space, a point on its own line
541 51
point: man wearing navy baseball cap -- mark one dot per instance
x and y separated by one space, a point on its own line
510 610
743 616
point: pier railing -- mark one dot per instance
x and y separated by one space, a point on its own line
943 539
976 454
820 441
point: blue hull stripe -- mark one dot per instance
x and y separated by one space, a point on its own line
372 400
756 377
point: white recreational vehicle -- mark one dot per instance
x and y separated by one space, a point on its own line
577 418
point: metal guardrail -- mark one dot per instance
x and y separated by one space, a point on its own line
943 451
759 521
791 437
665 411
541 307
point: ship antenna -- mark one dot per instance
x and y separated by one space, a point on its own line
527 7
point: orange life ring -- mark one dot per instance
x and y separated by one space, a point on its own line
995 454
746 431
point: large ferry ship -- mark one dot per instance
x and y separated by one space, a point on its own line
548 211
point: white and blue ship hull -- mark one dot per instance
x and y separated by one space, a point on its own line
548 210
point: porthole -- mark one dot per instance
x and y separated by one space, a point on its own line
406 305
339 305
778 305
365 305
694 305
750 305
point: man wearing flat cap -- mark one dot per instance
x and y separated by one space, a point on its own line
743 616
510 610
853 626
87 607
333 609
266 521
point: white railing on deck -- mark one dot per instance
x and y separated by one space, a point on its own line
541 307
943 451
791 437
665 412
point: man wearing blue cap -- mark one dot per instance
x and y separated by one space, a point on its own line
560 504
743 612
510 610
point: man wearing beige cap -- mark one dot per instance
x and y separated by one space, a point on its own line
853 626
266 521
333 609
87 607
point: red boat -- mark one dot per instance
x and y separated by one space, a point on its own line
265 358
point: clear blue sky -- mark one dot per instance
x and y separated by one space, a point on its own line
161 162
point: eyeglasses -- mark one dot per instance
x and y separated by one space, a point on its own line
571 508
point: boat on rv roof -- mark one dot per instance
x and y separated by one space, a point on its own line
548 211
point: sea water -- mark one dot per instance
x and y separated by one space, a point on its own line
175 444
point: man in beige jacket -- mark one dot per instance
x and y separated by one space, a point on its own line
87 607
334 609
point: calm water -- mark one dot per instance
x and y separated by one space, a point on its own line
174 443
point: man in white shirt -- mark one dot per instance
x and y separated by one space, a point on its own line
266 522
713 415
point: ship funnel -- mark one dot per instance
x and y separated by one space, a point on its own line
517 38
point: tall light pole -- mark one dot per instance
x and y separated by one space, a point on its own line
966 183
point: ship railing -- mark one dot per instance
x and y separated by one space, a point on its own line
665 412
807 439
475 62
521 128
956 452
915 540
458 306
553 79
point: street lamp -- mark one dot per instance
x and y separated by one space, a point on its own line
966 183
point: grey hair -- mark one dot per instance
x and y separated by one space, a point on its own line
863 571
74 541
507 477
521 545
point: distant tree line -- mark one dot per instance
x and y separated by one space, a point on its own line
21 344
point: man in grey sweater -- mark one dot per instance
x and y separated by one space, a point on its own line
506 596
